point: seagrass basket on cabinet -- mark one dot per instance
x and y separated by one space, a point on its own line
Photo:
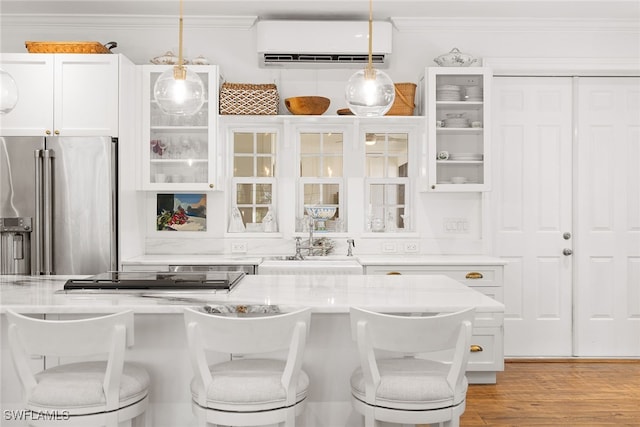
249 99
404 104
69 47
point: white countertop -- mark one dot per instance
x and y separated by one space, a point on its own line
385 259
325 294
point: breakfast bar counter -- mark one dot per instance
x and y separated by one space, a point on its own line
330 355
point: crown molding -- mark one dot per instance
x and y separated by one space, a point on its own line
124 21
568 66
516 25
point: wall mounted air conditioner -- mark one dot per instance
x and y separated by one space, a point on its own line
328 44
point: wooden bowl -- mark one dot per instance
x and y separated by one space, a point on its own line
307 105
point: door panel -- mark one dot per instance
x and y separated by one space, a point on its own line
532 202
607 277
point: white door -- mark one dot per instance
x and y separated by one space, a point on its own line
531 202
607 220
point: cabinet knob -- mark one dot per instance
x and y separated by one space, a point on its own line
567 252
475 348
57 132
474 275
393 273
48 132
433 187
211 185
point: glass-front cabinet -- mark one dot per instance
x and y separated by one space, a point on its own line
388 168
178 152
458 123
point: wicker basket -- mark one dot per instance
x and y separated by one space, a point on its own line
69 47
403 105
249 99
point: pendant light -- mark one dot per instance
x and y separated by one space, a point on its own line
8 92
179 91
370 92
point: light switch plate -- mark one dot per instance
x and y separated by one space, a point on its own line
389 247
239 247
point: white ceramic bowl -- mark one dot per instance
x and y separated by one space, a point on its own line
321 212
455 58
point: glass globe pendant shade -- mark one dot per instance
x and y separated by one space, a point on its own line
179 91
370 93
8 92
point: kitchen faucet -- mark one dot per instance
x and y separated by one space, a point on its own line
350 245
324 245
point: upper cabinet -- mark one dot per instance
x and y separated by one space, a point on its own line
63 95
178 152
458 123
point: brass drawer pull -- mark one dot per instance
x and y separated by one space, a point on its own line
474 275
393 273
475 348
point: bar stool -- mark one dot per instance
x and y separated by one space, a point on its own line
86 393
248 391
406 389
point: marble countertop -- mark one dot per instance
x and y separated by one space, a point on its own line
325 294
386 259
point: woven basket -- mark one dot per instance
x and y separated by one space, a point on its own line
69 47
253 99
403 105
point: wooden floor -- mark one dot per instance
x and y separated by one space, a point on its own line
585 393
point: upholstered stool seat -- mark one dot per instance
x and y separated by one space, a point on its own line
411 384
249 385
78 387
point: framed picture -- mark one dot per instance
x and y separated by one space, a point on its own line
181 212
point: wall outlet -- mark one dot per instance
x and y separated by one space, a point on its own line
239 247
411 247
456 225
389 247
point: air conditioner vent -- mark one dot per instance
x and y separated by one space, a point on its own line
275 58
322 44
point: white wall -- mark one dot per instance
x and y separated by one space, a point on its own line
415 44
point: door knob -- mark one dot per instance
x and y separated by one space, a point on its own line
567 251
566 235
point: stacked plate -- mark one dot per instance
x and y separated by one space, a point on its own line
456 120
448 93
466 156
473 93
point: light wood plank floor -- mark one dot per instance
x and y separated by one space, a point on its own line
585 393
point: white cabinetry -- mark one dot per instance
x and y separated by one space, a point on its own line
178 152
487 279
458 119
63 94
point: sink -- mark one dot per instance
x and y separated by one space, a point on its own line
309 258
324 265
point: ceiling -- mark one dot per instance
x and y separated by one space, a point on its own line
341 9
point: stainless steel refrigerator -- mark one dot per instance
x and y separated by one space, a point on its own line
68 187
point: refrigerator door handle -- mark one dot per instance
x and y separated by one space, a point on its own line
37 226
114 205
47 212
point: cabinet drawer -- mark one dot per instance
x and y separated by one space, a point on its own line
470 274
145 267
486 351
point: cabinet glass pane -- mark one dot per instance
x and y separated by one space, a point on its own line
243 166
242 142
321 194
386 207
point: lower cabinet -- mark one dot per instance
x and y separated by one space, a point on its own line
487 342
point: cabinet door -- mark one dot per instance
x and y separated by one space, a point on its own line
458 110
33 114
178 152
85 95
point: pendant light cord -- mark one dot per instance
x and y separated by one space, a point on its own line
180 57
369 72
